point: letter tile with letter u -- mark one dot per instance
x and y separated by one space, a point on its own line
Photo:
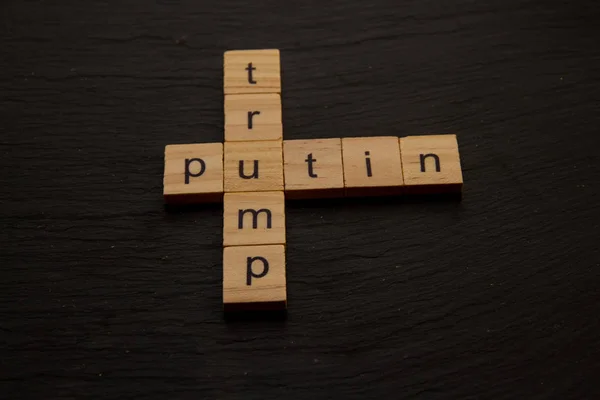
253 166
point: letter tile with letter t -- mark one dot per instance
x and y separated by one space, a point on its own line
431 164
250 117
252 71
254 278
313 168
254 218
372 166
193 173
253 166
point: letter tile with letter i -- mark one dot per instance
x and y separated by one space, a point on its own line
193 173
431 164
254 278
372 166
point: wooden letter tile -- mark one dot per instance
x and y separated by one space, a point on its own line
252 71
254 218
431 164
251 117
253 166
313 168
193 173
254 278
372 166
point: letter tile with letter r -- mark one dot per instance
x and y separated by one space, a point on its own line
252 71
193 173
313 168
254 218
253 166
372 166
431 164
254 278
250 117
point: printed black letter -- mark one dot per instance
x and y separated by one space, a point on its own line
435 157
188 161
254 213
368 161
250 274
250 69
254 173
250 115
310 160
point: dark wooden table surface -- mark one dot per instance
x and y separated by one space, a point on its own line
105 294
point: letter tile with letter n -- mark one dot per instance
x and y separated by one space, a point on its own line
193 173
254 278
431 164
254 218
251 117
253 166
313 168
252 71
372 166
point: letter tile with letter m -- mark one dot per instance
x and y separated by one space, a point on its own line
254 218
254 278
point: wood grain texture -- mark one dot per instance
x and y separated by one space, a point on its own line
251 117
254 278
104 293
253 166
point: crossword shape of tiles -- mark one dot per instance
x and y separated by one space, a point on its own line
372 166
255 170
252 71
254 278
253 166
193 173
250 117
431 164
313 168
254 218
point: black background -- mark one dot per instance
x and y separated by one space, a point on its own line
105 294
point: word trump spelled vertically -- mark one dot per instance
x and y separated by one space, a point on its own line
255 170
254 204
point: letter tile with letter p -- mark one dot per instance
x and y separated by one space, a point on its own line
431 164
254 218
193 173
254 278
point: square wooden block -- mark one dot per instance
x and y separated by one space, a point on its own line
372 166
253 166
250 117
252 71
254 218
431 164
313 168
193 173
254 278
